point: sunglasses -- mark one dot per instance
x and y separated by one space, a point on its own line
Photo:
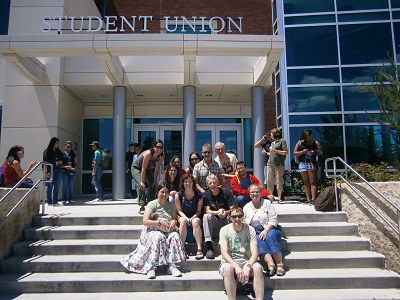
160 147
206 152
237 217
68 146
193 159
21 151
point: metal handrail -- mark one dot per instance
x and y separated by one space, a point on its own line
348 167
22 180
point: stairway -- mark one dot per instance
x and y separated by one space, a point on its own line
70 252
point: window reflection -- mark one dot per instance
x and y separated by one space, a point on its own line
309 19
315 99
315 119
363 17
354 100
313 76
365 43
309 6
360 118
307 46
346 5
360 74
371 144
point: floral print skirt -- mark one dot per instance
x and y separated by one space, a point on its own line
155 249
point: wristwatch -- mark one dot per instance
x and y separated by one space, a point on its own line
159 223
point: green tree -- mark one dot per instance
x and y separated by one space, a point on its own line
386 88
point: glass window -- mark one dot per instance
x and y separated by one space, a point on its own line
315 119
203 137
371 144
172 144
279 122
396 14
158 121
396 28
309 99
307 46
229 138
363 17
395 3
309 6
344 5
310 19
365 43
101 5
274 11
146 138
360 74
330 137
278 104
106 182
313 76
4 16
359 118
354 100
277 81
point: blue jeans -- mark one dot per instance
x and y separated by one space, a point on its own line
271 244
96 182
67 185
54 187
241 200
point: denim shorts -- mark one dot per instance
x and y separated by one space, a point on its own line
305 166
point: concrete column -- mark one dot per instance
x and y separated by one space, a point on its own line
118 168
189 123
258 129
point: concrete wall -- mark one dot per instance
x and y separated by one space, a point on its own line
11 232
383 239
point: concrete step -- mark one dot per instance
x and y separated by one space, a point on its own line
110 263
67 220
117 246
319 228
84 232
193 281
316 294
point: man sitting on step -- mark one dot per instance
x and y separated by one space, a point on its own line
217 204
239 256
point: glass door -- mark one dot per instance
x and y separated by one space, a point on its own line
172 137
231 136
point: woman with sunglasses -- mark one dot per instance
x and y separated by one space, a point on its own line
68 173
194 158
12 171
145 171
260 214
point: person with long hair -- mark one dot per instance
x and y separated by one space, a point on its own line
261 215
189 204
175 160
171 180
12 171
68 173
52 155
145 170
160 243
194 158
307 150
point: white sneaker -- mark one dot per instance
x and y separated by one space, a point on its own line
173 270
151 274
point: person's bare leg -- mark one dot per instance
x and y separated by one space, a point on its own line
313 183
307 187
267 258
279 173
277 257
258 281
182 229
230 281
197 232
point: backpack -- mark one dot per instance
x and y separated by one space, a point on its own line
326 200
105 159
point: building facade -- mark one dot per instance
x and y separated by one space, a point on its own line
122 71
332 46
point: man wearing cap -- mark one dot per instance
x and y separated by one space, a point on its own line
97 170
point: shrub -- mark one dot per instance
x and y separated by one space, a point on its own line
374 173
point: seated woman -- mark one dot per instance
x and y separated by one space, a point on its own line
194 158
12 171
171 181
260 214
189 204
159 241
177 161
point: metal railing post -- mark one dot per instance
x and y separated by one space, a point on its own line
335 180
43 189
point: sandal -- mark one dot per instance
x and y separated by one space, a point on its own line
271 271
186 255
280 270
199 254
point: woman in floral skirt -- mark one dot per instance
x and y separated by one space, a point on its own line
160 243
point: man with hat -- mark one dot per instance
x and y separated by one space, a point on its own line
97 170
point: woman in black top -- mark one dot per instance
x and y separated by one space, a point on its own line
307 150
68 172
53 156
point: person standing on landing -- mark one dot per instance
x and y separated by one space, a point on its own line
68 173
145 171
53 156
97 170
228 162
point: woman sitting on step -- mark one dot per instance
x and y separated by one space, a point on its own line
260 214
160 243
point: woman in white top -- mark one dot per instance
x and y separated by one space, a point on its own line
260 214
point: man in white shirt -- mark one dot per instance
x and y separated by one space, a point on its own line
228 162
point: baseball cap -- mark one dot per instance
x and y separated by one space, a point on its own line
133 144
94 143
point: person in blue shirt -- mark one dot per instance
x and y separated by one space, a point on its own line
97 170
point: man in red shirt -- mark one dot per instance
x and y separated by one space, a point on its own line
240 184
